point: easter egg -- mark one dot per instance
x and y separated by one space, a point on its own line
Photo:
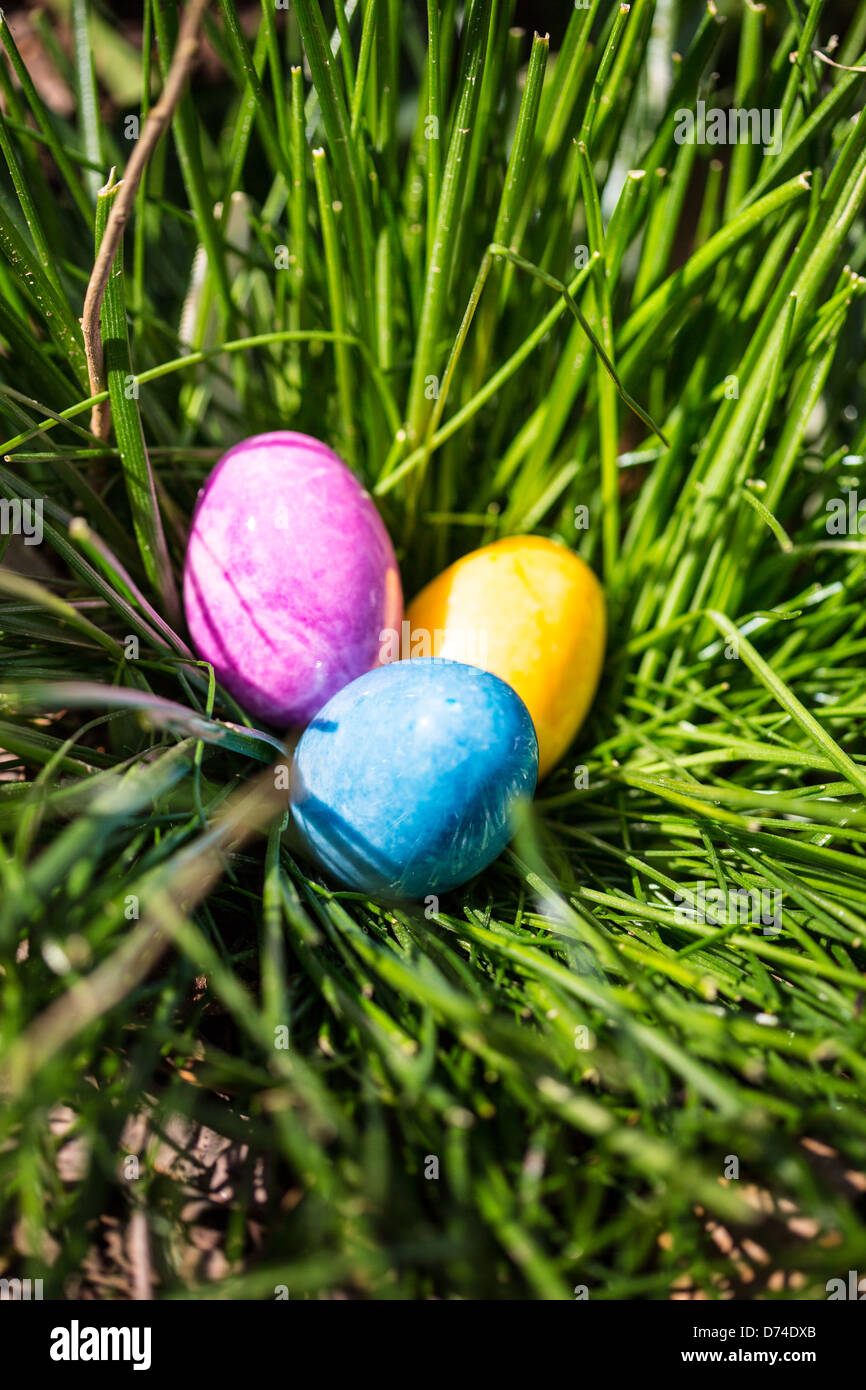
290 576
529 610
405 783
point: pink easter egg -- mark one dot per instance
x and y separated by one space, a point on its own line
290 578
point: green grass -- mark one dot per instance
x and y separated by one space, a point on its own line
423 305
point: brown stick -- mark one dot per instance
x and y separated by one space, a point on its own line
139 1256
157 120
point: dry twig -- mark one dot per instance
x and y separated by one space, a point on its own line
157 120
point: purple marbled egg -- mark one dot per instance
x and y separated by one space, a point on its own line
290 577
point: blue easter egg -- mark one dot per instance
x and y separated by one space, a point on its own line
403 785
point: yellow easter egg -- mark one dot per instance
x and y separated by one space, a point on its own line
533 613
